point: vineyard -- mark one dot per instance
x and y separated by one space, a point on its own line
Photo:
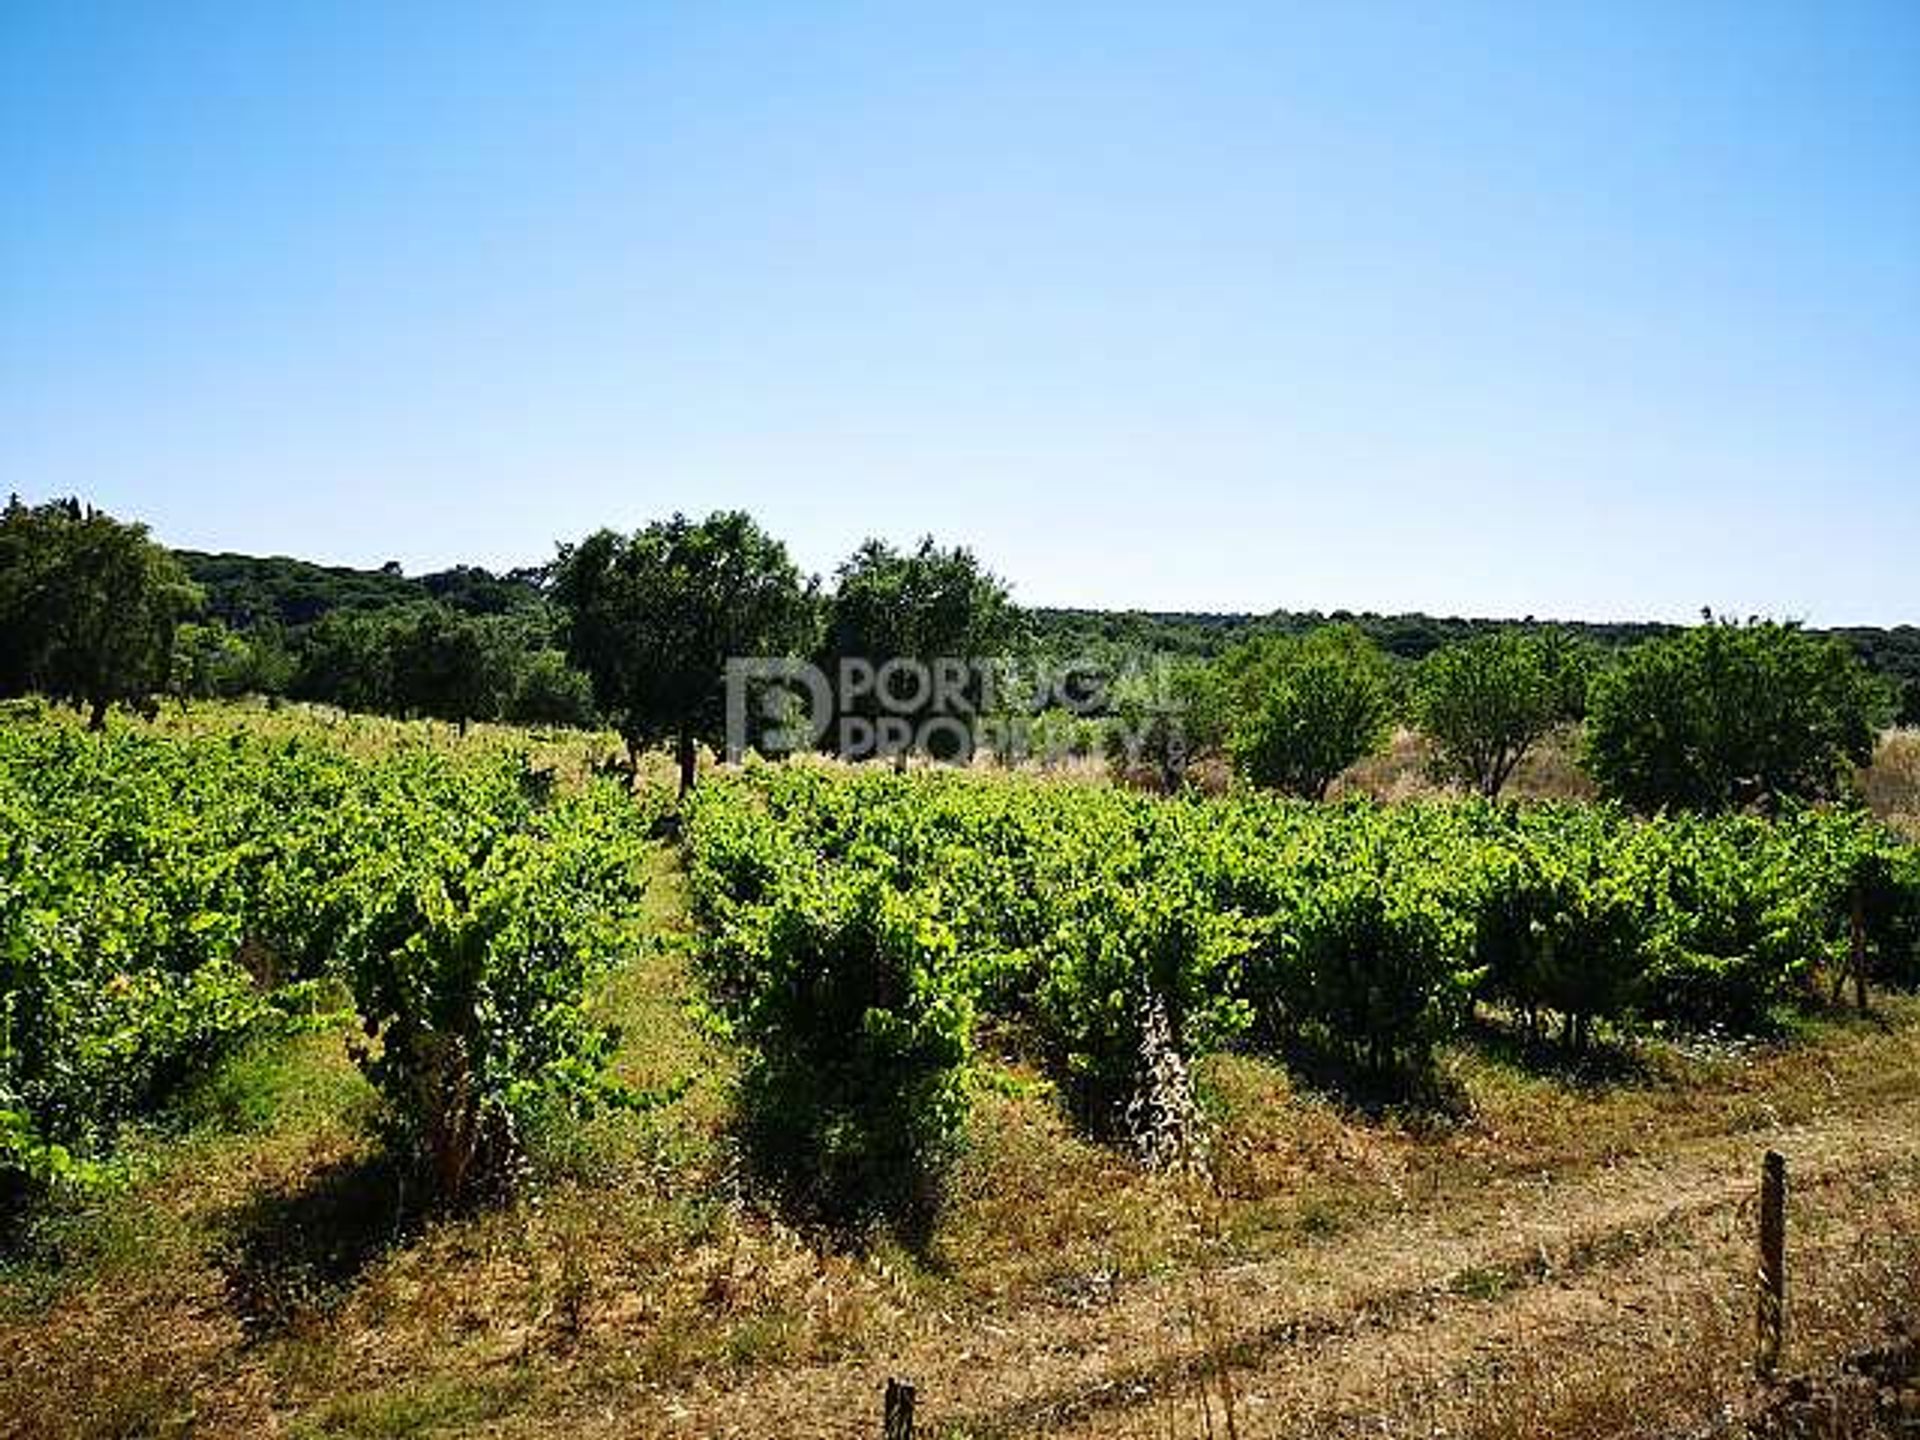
541 1102
165 899
865 926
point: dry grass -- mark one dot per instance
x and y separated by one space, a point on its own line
1404 771
1891 783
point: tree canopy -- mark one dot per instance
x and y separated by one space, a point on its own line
1486 702
88 606
1311 707
653 618
926 605
1726 715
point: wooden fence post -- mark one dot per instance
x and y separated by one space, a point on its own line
899 1413
1772 1315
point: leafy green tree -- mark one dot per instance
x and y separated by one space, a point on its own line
653 618
1319 703
1486 702
346 659
88 606
209 662
549 691
1726 715
928 605
1170 717
450 666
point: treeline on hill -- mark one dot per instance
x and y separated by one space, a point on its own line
1892 652
634 631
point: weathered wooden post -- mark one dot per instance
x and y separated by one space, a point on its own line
899 1413
1772 1317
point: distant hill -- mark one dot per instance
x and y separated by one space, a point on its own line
245 591
1410 637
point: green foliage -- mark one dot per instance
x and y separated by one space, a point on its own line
1485 703
1726 715
88 606
1354 934
448 666
653 618
162 900
859 1037
1167 717
925 605
431 660
1564 922
1315 706
468 962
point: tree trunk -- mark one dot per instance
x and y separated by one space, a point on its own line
97 715
1858 949
688 760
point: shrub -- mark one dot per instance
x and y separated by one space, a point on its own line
1562 926
1723 715
1485 703
858 1028
469 968
1319 703
1118 949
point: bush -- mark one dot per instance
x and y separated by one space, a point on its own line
1486 703
1723 716
1562 926
1372 969
469 968
1320 703
858 1027
1118 948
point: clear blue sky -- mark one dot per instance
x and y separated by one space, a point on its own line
1591 311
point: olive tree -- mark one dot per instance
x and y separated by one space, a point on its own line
653 618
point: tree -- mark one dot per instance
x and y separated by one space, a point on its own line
209 662
1485 703
450 666
347 660
1727 715
549 691
1318 704
1169 718
88 606
653 618
926 606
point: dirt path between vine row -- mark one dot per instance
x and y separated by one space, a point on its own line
1604 1258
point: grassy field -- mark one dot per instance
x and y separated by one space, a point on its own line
1566 1252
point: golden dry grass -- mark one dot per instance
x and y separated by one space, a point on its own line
1891 784
1403 770
642 1292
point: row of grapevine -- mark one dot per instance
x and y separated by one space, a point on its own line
164 898
859 922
